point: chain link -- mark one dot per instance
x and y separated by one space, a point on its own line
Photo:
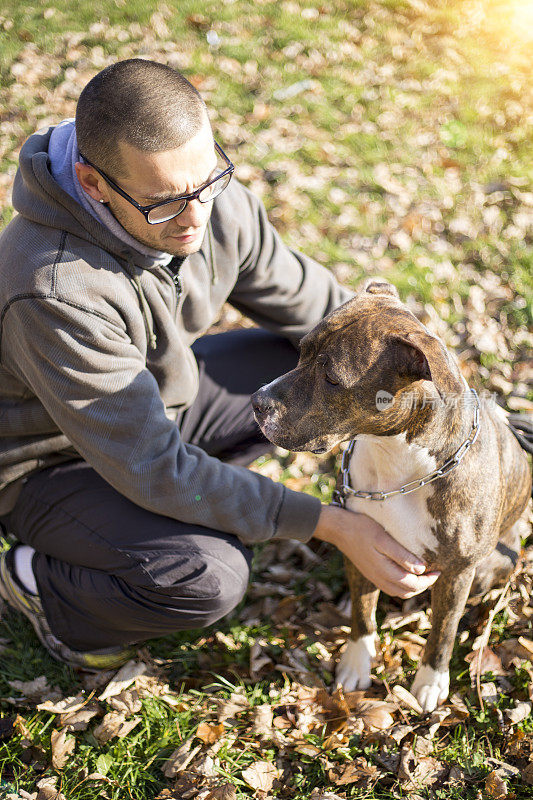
339 495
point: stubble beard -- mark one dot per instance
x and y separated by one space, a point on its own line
166 245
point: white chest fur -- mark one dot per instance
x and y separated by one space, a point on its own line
384 463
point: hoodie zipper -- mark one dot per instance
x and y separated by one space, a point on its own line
175 278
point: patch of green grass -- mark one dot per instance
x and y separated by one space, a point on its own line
469 128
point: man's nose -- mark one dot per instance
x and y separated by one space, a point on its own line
194 214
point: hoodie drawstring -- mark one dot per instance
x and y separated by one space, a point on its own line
145 308
213 263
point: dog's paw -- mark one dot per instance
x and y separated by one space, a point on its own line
353 669
430 687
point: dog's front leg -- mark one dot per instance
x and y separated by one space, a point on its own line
448 597
353 669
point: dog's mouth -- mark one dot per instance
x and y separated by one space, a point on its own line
303 432
272 431
279 436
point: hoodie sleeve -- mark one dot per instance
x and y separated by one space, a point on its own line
94 384
279 288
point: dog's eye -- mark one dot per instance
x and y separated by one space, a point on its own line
331 381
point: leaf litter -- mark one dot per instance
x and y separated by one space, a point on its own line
456 231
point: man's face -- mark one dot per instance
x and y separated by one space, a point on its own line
150 177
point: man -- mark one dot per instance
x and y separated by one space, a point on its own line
115 435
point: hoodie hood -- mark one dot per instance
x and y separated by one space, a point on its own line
38 197
64 154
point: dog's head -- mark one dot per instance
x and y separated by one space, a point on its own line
365 368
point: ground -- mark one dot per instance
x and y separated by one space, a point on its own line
390 138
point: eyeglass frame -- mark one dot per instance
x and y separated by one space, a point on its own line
145 210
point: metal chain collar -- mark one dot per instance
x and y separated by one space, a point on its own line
339 495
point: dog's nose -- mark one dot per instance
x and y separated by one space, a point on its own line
261 403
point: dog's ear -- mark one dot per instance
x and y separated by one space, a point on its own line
379 286
421 356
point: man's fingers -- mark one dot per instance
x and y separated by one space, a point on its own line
397 553
404 584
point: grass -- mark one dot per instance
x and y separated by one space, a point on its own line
413 112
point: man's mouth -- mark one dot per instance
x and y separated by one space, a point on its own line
185 237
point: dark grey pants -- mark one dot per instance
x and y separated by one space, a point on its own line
108 571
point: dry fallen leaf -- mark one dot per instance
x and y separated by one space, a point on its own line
307 750
457 775
517 745
262 720
179 759
206 766
225 792
151 686
358 771
62 747
286 608
127 702
490 662
97 776
399 731
227 709
258 660
318 794
261 775
422 746
37 690
495 786
489 693
334 709
406 767
64 706
413 650
454 712
527 644
79 720
209 734
428 770
519 713
123 678
406 699
178 792
511 649
114 724
503 768
398 619
376 714
47 789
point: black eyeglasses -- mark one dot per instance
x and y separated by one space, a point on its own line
168 209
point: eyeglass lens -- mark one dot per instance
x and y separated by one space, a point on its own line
170 210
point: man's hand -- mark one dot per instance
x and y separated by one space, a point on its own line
379 557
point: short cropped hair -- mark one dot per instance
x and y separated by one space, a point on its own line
143 103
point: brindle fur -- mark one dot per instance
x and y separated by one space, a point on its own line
375 343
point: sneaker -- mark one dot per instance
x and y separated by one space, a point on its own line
19 598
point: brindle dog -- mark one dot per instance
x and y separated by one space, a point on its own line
465 524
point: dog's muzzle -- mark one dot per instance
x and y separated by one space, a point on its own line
267 414
262 405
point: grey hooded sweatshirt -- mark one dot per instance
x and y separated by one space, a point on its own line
95 358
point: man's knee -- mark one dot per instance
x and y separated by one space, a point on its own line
230 590
199 589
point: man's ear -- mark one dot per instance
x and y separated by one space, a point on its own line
420 356
91 182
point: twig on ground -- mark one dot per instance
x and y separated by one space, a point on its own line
393 700
484 639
